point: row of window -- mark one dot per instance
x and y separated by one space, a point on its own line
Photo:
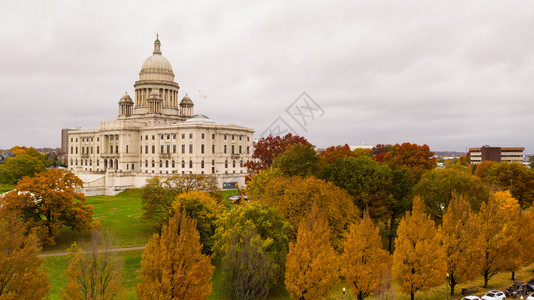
202 136
172 164
202 149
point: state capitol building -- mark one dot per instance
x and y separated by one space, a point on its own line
157 135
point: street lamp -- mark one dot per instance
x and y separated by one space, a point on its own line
447 285
343 293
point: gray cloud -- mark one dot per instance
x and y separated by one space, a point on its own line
451 74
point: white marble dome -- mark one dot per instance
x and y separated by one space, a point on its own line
156 66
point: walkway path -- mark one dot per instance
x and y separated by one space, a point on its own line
110 250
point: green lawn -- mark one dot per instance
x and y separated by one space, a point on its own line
121 213
6 188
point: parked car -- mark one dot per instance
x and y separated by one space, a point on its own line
530 285
531 297
494 295
471 298
516 290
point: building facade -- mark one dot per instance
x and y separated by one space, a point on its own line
157 135
497 154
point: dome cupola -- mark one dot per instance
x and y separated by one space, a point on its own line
156 66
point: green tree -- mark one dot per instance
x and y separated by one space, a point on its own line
399 203
258 182
26 164
531 161
21 273
368 181
438 186
293 198
159 194
96 272
297 160
49 201
172 266
515 177
461 241
364 262
311 269
205 210
247 269
271 228
419 259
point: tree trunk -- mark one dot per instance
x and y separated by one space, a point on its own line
412 295
513 275
486 279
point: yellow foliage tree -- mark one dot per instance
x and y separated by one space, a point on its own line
21 275
461 242
293 198
419 259
172 266
364 262
491 219
526 233
311 269
511 258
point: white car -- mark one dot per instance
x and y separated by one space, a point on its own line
531 297
471 298
494 295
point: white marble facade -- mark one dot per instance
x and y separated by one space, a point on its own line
157 135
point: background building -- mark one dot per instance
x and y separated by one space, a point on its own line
497 154
157 135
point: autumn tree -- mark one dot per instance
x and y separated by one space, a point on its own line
94 272
21 273
368 181
172 265
25 163
49 201
511 258
332 153
379 152
438 186
158 195
297 160
515 177
205 209
259 181
364 262
311 269
293 197
266 149
419 259
526 234
247 269
461 241
482 168
399 202
267 224
491 220
417 159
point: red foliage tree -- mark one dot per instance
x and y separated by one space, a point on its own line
266 149
417 159
332 153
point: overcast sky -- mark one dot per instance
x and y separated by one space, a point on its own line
450 74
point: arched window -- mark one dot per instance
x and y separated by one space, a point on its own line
146 163
153 163
202 164
160 163
190 163
166 164
116 164
226 163
111 163
172 164
233 164
183 163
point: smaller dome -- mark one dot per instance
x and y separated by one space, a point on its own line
200 116
126 98
186 100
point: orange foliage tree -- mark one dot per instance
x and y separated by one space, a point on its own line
49 201
21 272
461 241
419 259
364 262
418 159
482 168
332 153
311 269
266 149
172 266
